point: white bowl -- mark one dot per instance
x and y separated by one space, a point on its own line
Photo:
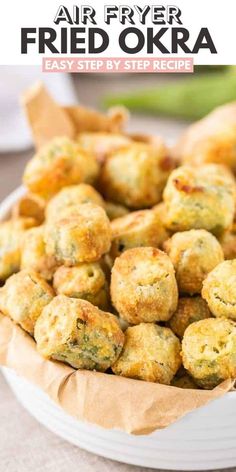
202 440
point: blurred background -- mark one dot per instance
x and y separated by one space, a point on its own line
161 104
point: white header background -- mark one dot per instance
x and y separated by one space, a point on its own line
219 17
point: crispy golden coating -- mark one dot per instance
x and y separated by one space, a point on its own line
23 298
11 234
33 254
200 198
139 228
212 139
228 243
150 353
86 281
76 332
81 234
189 310
209 351
30 206
143 286
60 163
101 144
70 196
219 290
114 210
194 254
136 175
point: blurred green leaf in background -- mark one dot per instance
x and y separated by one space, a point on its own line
189 99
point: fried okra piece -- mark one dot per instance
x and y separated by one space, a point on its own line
210 140
194 254
11 234
200 198
189 310
23 298
114 210
81 234
101 144
209 351
228 243
30 206
70 196
135 175
219 290
60 163
76 332
143 286
150 353
139 228
33 254
86 281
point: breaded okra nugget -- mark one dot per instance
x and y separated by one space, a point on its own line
200 198
23 298
33 253
86 281
30 206
81 234
212 139
102 144
11 234
209 351
228 242
189 310
72 195
143 286
136 175
194 254
150 353
60 163
76 332
139 228
219 290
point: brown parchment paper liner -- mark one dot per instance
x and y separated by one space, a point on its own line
47 119
106 400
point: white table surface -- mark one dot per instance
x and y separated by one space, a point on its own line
25 445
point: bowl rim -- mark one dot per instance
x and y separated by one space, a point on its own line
5 207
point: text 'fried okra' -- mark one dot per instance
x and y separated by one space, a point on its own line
194 254
150 353
209 351
143 286
81 234
60 163
23 298
76 332
200 198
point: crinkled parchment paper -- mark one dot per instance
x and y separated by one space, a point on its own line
47 119
107 400
104 399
